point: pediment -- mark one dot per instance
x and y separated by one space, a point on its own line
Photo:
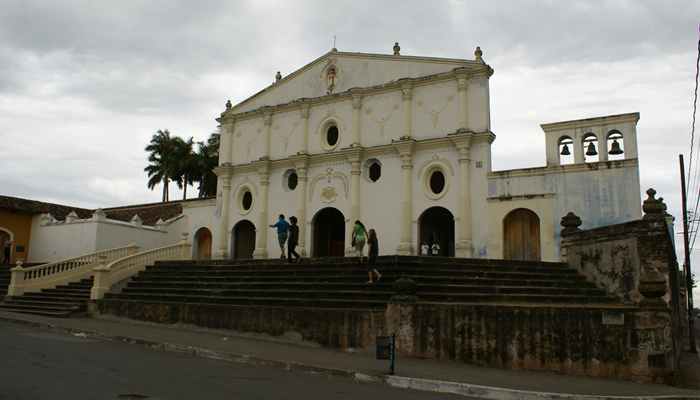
336 72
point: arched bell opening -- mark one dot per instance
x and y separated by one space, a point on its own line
566 150
328 233
243 240
615 145
590 148
521 235
436 225
201 249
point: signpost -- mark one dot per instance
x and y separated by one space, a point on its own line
386 350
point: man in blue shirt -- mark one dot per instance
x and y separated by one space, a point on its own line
282 231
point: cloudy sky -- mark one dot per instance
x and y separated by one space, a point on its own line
84 84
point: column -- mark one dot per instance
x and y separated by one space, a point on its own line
225 180
405 150
578 147
463 247
407 97
263 224
602 144
356 113
305 108
267 120
462 83
301 211
354 159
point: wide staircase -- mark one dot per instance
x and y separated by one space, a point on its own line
341 283
4 280
61 301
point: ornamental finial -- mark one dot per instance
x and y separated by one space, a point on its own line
397 49
228 104
278 77
478 53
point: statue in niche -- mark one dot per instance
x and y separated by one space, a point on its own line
330 78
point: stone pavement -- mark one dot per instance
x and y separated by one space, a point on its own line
291 353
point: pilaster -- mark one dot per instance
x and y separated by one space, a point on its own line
224 172
267 121
407 98
305 112
263 169
406 148
462 84
303 178
354 158
356 122
463 246
226 140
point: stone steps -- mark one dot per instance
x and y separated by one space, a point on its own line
61 301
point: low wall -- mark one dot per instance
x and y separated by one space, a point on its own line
329 327
625 343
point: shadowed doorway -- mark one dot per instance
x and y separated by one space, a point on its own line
243 240
202 240
437 225
329 233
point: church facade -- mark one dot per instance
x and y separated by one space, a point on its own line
403 144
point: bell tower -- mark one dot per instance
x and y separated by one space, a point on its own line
608 138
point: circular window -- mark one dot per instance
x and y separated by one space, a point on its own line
292 181
332 135
437 182
247 200
375 171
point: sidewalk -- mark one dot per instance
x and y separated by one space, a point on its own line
291 353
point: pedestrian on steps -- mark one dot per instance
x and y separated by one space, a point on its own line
282 231
293 240
359 237
373 252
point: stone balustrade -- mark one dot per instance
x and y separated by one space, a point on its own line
34 279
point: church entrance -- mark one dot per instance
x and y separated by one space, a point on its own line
437 225
5 247
521 235
329 233
243 240
202 243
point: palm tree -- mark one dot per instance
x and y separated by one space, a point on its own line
207 158
162 161
187 169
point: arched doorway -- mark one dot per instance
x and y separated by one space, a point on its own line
243 240
6 238
329 233
437 225
202 244
521 235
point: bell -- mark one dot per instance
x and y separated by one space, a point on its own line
615 148
565 150
591 150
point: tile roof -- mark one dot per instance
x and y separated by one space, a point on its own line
149 213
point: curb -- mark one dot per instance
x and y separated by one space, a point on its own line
402 382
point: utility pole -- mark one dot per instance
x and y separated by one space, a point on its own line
686 264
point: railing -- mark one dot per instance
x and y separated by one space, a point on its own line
62 272
107 275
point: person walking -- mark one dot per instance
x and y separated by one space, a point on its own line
293 240
7 251
282 231
359 237
373 252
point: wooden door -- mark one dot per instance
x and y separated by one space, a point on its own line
204 244
521 235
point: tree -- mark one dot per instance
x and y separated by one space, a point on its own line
162 161
207 158
187 170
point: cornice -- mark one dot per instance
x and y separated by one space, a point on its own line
569 168
473 71
590 122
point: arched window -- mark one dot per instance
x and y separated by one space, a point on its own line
615 142
566 150
375 171
290 180
590 148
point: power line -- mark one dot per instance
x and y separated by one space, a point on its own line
692 137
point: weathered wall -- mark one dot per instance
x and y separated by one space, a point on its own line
19 227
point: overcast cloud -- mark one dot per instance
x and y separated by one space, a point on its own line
84 84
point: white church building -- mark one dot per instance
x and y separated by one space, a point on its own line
403 144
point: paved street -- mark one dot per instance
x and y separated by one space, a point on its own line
43 364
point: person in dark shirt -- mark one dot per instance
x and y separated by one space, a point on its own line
373 253
293 240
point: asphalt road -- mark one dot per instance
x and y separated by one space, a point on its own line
44 364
